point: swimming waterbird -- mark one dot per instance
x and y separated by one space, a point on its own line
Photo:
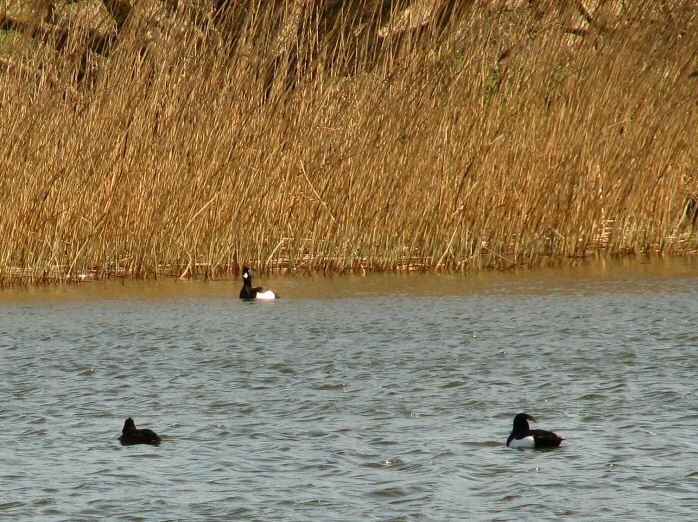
248 292
524 437
131 435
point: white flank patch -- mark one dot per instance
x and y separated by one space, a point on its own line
526 442
244 275
266 295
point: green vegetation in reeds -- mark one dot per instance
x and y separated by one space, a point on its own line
174 138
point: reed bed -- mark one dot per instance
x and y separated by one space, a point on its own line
484 136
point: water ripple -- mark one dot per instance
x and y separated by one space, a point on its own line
368 405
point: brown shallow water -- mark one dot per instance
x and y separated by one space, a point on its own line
355 398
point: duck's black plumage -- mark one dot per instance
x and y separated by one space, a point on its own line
131 435
250 292
522 436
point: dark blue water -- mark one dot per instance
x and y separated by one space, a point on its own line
376 398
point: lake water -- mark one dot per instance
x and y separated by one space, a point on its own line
385 397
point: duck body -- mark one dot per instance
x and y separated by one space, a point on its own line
523 437
131 435
249 292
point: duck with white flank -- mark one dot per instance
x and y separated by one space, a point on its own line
248 292
130 435
524 437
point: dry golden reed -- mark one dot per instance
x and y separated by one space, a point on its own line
447 135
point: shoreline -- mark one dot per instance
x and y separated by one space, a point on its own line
204 274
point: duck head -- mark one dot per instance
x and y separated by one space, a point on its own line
521 422
129 425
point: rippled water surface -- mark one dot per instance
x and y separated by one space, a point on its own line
355 398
